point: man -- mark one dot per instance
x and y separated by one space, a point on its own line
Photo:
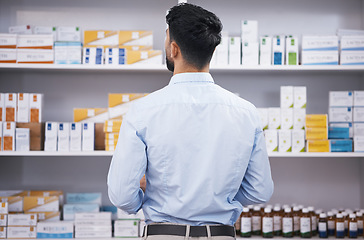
201 147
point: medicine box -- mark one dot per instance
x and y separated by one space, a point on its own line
320 58
278 50
23 107
87 234
67 53
263 114
153 57
1 137
274 118
358 98
76 137
8 136
115 136
292 50
38 193
112 126
271 140
287 97
84 198
45 30
119 103
320 43
318 146
69 210
97 115
22 232
286 118
8 40
299 97
20 29
342 114
352 43
358 143
93 216
48 216
63 137
316 121
10 107
68 34
115 56
15 203
93 55
358 129
358 114
36 107
3 231
339 133
11 193
51 136
61 229
284 141
341 99
3 220
4 208
234 50
22 139
22 220
41 204
126 228
249 31
88 136
93 228
8 55
44 56
316 133
142 225
124 215
299 118
35 41
2 107
344 125
250 53
222 51
265 53
341 145
352 58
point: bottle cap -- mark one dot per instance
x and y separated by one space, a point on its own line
245 209
352 215
310 208
256 208
322 215
305 210
345 214
348 211
359 214
277 208
318 211
296 209
334 211
339 215
330 214
285 206
300 207
267 210
287 210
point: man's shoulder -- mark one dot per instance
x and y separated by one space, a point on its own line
237 101
150 99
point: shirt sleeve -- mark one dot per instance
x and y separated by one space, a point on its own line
127 167
257 185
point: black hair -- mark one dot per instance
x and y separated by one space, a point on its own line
196 31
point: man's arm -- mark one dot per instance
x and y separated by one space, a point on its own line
257 185
127 167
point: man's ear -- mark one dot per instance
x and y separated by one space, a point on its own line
174 49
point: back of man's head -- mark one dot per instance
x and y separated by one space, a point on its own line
196 31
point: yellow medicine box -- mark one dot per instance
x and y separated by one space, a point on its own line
318 146
41 204
90 115
112 126
111 136
316 121
116 99
316 134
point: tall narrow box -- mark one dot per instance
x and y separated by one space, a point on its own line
10 107
298 141
263 113
9 136
284 141
300 97
1 136
51 136
358 99
265 52
299 118
287 96
64 137
36 106
3 231
76 137
278 50
234 50
292 50
88 136
286 118
22 139
2 107
274 118
271 140
250 53
222 51
249 31
23 107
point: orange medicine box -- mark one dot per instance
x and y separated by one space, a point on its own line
41 204
7 55
58 193
10 107
318 146
8 136
4 208
98 115
35 106
23 107
2 107
8 40
15 203
316 121
3 231
3 220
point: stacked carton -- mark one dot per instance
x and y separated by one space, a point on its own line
81 203
111 129
284 126
59 229
320 50
4 211
317 133
22 226
93 225
8 44
249 41
352 50
129 225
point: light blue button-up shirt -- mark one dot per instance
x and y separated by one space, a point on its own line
202 150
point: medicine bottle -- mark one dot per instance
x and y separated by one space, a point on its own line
287 223
360 220
331 224
256 221
322 226
340 226
237 225
267 223
353 226
305 224
296 221
313 221
246 223
346 222
277 221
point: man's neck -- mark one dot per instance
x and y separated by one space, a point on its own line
191 69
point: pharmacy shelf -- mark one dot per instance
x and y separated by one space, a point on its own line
110 153
163 68
237 238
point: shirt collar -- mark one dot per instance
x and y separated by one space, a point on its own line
190 78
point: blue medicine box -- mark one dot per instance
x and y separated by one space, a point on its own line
339 133
341 145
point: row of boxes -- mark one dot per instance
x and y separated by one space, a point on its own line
282 118
14 139
21 107
285 140
346 99
65 137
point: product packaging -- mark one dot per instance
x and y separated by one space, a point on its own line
51 136
67 52
352 58
358 129
48 216
352 43
88 136
292 51
35 41
23 107
3 220
36 134
8 136
119 103
106 216
358 98
3 231
93 55
76 137
10 107
263 113
286 118
36 107
4 208
318 146
234 50
344 125
249 31
45 30
8 40
22 232
358 114
342 114
69 210
41 204
287 96
68 34
278 50
222 51
2 107
97 115
358 143
61 229
339 133
299 97
84 198
250 53
21 29
22 220
63 137
271 140
284 141
265 54
44 56
15 203
316 121
8 55
274 118
22 139
298 140
341 99
126 228
316 133
1 137
342 145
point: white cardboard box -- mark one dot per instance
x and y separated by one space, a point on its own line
284 140
298 141
20 29
286 96
234 50
87 234
126 228
351 57
358 114
69 34
358 129
320 58
358 98
300 97
7 55
274 118
88 136
35 56
265 52
93 216
22 220
1 136
249 31
341 99
23 107
22 139
3 220
35 41
286 118
63 137
2 107
222 51
93 56
51 136
292 52
358 144
250 53
69 211
3 231
84 198
60 229
36 107
76 137
8 138
352 43
11 104
263 113
320 43
278 50
92 228
22 232
271 140
299 118
4 208
8 40
340 114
